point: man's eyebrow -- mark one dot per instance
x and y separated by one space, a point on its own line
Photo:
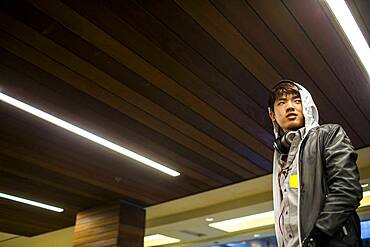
296 96
281 98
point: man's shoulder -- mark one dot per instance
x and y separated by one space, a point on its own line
328 127
326 132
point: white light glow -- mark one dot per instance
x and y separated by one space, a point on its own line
159 239
29 202
352 31
81 132
262 219
365 199
364 185
246 222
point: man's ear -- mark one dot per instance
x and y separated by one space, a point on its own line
272 115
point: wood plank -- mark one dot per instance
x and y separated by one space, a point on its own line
88 86
108 207
158 45
99 224
19 212
364 7
132 226
100 15
121 89
110 115
360 10
185 184
126 216
352 82
99 218
180 24
96 237
35 173
75 152
171 146
24 154
220 29
90 32
183 25
91 165
26 188
176 20
283 24
56 104
247 21
73 156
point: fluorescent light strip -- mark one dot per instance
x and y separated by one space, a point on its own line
92 137
29 202
159 239
246 222
262 219
366 193
365 199
352 31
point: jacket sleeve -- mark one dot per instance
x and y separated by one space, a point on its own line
344 191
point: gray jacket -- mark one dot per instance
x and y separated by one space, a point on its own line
329 191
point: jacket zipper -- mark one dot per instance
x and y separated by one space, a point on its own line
300 186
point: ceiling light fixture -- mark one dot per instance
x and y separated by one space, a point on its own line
364 185
30 202
365 199
262 219
246 222
352 31
159 239
210 219
90 136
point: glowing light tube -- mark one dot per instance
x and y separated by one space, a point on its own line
30 202
90 136
352 31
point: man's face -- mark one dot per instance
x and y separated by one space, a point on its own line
288 112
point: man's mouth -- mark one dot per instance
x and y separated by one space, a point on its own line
291 116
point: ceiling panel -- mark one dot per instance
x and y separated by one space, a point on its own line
184 83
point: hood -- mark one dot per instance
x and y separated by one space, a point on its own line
310 112
311 116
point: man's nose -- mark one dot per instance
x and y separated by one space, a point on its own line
290 105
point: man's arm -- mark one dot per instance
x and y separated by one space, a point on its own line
342 179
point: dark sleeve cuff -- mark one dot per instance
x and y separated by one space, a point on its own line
317 236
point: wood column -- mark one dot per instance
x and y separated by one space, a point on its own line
118 224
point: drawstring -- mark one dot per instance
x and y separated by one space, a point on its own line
281 194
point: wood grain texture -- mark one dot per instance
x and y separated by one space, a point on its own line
279 19
151 74
184 83
116 224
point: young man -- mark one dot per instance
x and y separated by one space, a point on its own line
315 178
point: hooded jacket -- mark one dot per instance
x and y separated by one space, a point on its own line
329 190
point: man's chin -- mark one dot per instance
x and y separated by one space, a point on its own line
294 127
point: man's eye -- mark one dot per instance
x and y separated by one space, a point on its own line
280 103
298 101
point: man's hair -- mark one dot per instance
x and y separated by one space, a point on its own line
282 88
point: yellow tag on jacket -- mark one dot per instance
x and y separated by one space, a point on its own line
293 181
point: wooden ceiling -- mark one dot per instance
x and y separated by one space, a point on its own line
182 82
